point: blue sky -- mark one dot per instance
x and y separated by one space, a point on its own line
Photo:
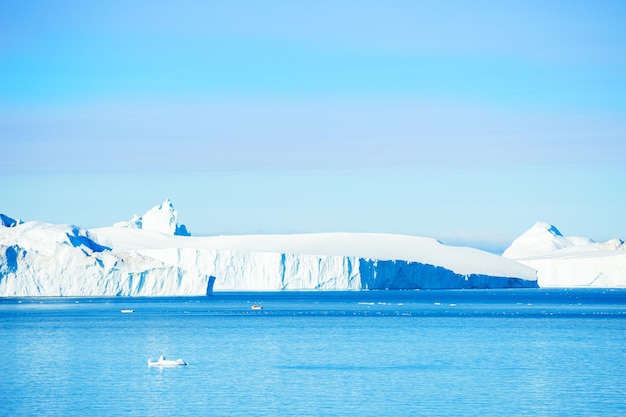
463 121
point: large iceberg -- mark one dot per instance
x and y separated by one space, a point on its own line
155 258
570 261
43 259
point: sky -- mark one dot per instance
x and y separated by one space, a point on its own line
462 121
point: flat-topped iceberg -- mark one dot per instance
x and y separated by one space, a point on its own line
43 259
326 261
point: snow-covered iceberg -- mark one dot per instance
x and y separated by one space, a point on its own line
43 259
166 363
162 218
570 261
327 261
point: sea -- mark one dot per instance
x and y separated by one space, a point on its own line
530 352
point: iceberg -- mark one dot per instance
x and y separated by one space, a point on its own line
166 363
568 262
155 258
43 259
325 261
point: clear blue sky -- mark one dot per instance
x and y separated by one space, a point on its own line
463 121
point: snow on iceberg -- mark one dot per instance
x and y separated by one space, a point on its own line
162 218
43 259
566 262
326 261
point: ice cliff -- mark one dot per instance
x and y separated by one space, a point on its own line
42 259
563 261
151 256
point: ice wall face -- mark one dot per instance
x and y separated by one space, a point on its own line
264 271
70 272
563 261
150 255
42 259
153 255
401 275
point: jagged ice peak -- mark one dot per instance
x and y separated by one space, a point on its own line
162 218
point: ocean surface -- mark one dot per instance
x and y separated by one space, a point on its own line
533 352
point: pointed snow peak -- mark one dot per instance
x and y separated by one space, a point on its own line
542 226
540 239
162 218
614 244
540 233
167 205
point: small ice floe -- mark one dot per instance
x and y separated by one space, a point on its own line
164 363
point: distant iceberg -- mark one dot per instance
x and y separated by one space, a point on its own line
162 218
570 261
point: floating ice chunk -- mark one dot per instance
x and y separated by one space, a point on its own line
165 363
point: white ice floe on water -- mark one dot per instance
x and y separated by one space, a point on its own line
565 261
166 363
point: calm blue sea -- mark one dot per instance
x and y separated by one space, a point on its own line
529 352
